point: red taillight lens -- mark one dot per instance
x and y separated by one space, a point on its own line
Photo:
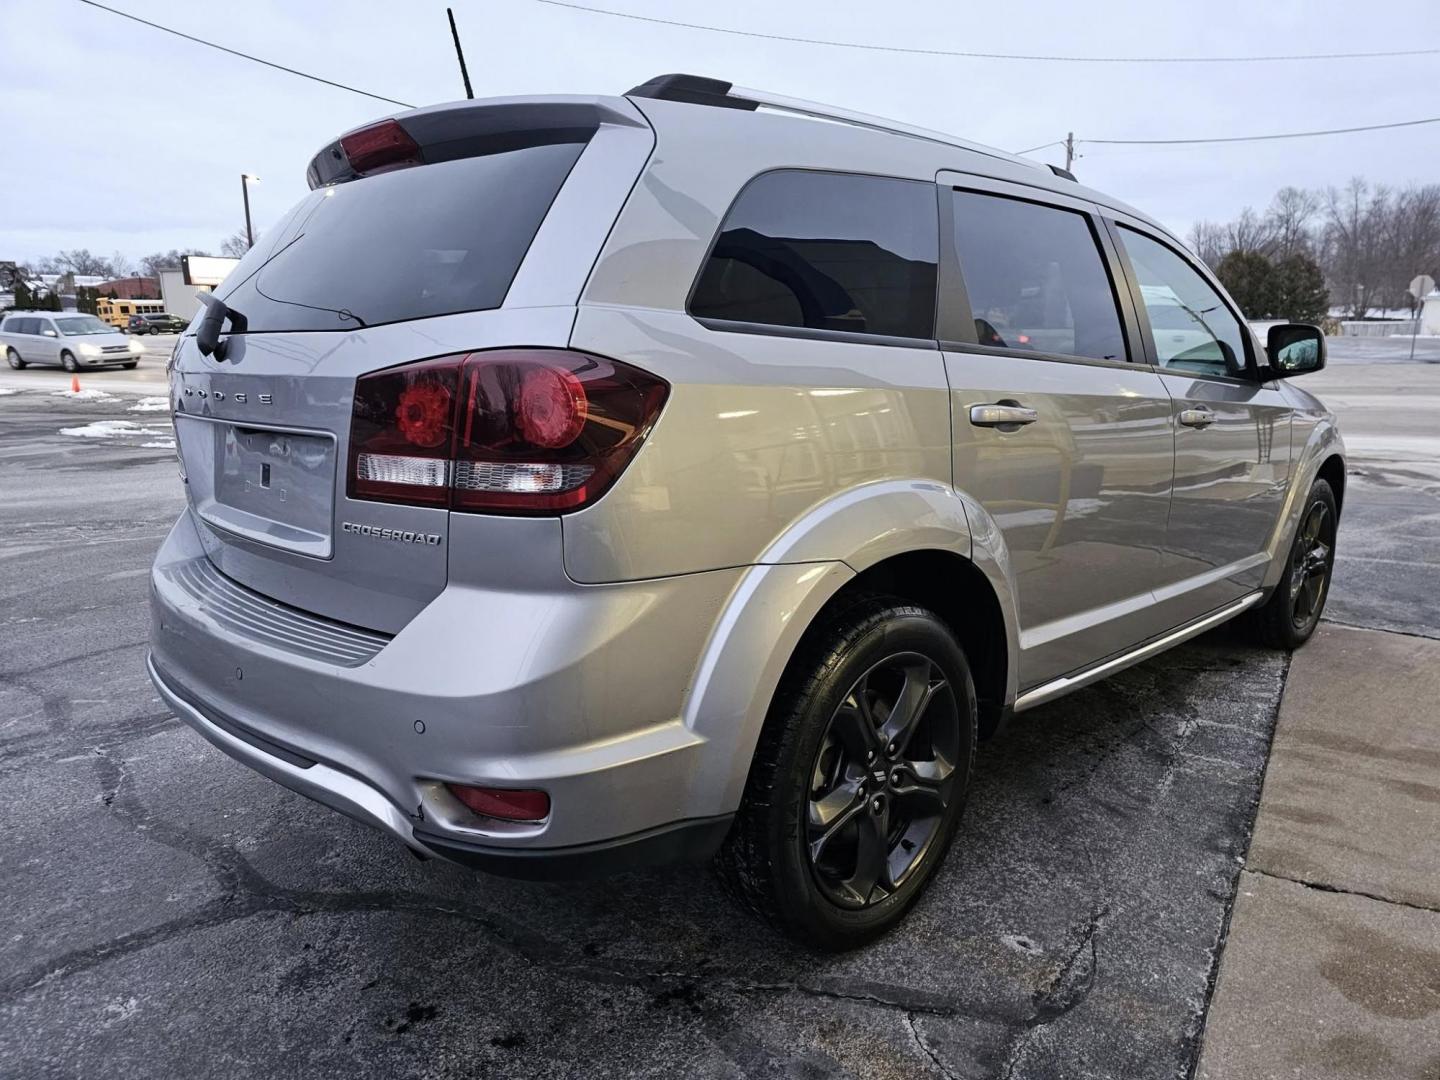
510 430
503 803
385 145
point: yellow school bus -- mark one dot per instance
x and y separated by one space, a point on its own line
118 312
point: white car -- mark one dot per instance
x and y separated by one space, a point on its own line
67 339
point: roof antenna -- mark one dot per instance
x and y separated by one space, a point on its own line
460 53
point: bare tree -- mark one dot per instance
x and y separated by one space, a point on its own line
1412 242
235 245
1249 233
80 261
1290 218
121 266
1207 240
1354 227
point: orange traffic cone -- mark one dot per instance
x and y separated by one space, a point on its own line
74 384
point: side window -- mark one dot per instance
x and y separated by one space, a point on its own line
1036 278
826 251
1192 327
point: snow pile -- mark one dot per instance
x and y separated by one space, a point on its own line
7 393
151 404
162 444
84 395
110 429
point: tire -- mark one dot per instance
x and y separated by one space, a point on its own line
1288 618
13 358
68 362
813 806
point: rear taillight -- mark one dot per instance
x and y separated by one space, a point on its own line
381 146
537 431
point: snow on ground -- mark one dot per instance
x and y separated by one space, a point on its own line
5 393
110 429
151 404
83 395
162 444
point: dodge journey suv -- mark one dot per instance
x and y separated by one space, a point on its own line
583 483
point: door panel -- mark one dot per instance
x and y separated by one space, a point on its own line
1231 475
1232 434
1032 320
1080 495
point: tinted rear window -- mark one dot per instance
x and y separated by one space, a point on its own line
826 251
407 244
1036 278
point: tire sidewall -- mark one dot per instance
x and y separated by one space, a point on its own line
69 363
13 359
1320 493
802 904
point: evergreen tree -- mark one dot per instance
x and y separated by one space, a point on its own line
1300 293
1250 279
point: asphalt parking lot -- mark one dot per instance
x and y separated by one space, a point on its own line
171 913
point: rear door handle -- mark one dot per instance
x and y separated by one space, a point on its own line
1197 418
1002 414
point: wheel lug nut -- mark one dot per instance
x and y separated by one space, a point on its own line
877 804
869 756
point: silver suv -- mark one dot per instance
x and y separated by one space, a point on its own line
579 483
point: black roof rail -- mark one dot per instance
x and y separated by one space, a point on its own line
694 89
698 90
1064 174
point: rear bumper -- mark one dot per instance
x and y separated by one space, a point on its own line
678 842
576 690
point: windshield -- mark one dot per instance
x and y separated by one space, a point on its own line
84 324
429 240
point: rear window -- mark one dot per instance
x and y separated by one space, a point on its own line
826 251
1036 278
431 240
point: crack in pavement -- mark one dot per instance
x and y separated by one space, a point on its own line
925 1048
1070 986
1320 886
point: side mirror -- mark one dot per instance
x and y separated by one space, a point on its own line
49 333
1295 349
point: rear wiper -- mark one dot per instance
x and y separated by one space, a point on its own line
207 332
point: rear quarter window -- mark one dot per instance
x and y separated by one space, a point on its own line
825 251
430 240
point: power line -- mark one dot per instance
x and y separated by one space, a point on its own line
1239 138
984 55
1263 138
1033 149
246 56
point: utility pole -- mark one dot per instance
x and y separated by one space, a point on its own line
245 179
1069 149
459 53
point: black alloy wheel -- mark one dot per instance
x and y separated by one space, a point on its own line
1310 564
860 775
1288 618
883 779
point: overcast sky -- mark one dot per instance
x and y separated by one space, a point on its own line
120 138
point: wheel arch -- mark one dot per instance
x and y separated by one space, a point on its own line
1322 458
917 539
